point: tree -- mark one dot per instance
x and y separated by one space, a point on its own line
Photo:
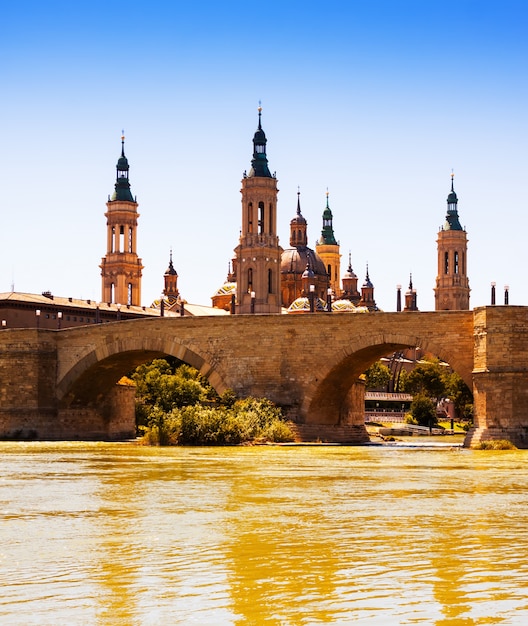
377 376
427 379
423 411
158 385
460 393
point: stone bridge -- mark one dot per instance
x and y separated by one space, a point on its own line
62 384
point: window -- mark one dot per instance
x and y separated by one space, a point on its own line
250 217
261 218
446 263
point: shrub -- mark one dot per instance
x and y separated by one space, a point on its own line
496 444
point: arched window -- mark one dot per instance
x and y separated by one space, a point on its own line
446 263
456 263
270 281
250 279
129 296
261 225
250 217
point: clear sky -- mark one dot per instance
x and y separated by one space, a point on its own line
377 101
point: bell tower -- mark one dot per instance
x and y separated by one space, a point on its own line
328 249
121 268
452 284
258 254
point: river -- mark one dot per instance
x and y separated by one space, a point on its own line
98 533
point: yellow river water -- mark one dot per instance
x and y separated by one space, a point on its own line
120 534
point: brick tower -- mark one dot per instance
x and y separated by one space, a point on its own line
121 267
258 254
452 284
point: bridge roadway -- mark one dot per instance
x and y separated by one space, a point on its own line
62 384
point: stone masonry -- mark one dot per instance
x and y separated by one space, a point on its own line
62 384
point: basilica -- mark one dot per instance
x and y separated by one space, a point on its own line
263 277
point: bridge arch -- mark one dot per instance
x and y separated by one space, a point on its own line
96 372
337 397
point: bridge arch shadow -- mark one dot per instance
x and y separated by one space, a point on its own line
337 395
96 373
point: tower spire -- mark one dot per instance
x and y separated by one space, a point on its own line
452 221
259 163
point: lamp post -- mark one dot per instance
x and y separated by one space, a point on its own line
162 306
253 294
493 294
233 304
312 298
59 319
506 294
97 314
398 298
118 311
37 313
329 299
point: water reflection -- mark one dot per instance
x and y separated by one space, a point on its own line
118 534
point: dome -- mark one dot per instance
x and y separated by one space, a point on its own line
295 260
227 289
302 305
122 163
346 306
298 219
350 273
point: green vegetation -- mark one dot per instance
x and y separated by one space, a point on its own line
496 444
177 406
434 380
423 411
377 376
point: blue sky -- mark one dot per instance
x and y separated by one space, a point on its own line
377 101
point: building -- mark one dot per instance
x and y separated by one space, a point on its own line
302 270
29 310
452 283
328 250
121 267
267 279
258 254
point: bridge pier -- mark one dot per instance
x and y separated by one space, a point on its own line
501 408
500 376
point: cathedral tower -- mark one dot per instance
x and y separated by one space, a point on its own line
452 284
328 250
170 280
121 268
258 253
